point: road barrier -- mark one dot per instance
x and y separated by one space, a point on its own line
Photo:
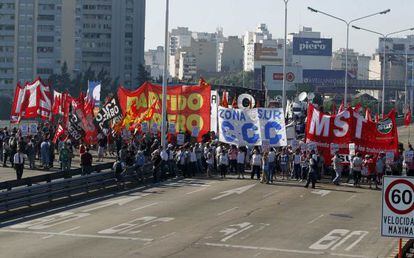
23 193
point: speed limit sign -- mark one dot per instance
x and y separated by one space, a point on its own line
398 207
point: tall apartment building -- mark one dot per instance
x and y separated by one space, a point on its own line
230 55
38 36
338 61
154 60
260 49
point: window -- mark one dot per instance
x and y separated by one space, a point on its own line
43 17
45 38
44 49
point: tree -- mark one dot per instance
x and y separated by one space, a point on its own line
63 79
105 79
143 75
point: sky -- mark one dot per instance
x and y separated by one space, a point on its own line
238 16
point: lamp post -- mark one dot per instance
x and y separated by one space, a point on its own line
384 36
284 61
348 23
165 80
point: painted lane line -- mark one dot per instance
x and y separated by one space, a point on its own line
348 255
264 248
226 211
118 201
77 235
238 191
236 233
145 206
350 198
322 193
65 231
198 190
269 194
168 235
315 219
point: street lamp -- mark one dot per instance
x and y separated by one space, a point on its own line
348 23
284 61
384 36
165 80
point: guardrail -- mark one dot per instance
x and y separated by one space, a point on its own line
29 181
63 185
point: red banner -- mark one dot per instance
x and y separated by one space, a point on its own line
187 106
31 100
336 132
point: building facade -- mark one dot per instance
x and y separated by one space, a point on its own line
38 36
154 60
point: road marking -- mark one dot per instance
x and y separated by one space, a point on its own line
322 193
198 190
238 190
133 226
269 194
119 201
264 248
350 198
233 231
338 237
256 255
50 221
315 219
226 211
273 249
65 231
145 206
76 235
168 235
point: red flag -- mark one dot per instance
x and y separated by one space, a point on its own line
341 107
234 103
376 118
407 118
59 132
357 107
224 100
333 108
368 116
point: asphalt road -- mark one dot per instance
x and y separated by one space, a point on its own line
207 218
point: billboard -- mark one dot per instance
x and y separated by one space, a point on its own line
312 47
273 77
316 76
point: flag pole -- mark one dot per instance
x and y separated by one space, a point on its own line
164 79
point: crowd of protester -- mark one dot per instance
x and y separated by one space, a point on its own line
209 158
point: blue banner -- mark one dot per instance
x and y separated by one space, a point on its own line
316 76
312 47
252 127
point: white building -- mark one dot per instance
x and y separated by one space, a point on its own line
187 66
154 59
230 55
338 61
260 49
179 38
363 67
310 51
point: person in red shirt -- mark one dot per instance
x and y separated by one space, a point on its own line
369 162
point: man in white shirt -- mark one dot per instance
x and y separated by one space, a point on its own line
18 161
241 159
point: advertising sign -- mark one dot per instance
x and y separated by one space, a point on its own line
397 218
251 126
318 76
312 47
273 77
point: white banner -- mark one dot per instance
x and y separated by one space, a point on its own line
250 127
214 102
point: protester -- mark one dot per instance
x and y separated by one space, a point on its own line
86 162
357 169
337 165
313 167
223 163
256 163
241 159
18 163
64 157
45 153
